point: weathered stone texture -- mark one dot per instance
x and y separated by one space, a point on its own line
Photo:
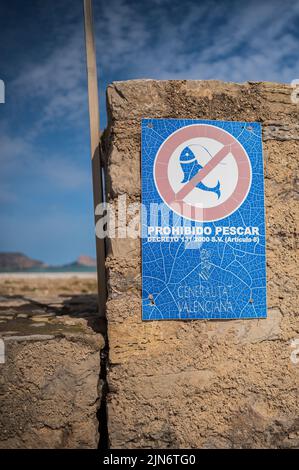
50 387
204 383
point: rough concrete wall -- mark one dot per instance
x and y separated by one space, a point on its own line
50 387
204 383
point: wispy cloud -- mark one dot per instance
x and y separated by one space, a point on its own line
64 174
235 41
44 141
226 40
57 84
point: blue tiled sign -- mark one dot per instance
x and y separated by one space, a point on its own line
203 222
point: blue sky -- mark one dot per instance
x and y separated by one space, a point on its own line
45 179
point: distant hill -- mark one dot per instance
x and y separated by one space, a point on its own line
18 262
14 262
82 262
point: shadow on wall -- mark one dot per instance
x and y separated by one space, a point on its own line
78 306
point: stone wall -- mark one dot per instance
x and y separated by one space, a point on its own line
50 381
203 383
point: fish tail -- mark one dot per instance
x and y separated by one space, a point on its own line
217 189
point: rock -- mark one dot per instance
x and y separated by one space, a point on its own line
50 386
203 384
257 331
39 318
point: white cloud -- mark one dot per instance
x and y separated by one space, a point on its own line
64 174
223 40
190 40
56 84
234 41
21 161
162 39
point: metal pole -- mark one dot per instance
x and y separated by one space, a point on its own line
94 121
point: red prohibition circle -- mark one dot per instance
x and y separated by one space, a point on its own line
176 200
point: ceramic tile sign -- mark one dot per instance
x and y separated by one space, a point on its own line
203 220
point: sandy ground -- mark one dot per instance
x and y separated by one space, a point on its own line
63 275
45 284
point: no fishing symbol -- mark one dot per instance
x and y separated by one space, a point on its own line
202 172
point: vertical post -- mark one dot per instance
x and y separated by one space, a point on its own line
94 121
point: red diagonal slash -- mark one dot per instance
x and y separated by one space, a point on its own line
203 172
